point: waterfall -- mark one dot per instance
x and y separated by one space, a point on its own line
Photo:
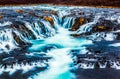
37 41
60 64
57 70
17 32
6 40
68 22
88 26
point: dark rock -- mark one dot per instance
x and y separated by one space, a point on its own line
78 22
7 46
98 54
8 61
104 25
18 40
97 73
96 65
20 26
108 65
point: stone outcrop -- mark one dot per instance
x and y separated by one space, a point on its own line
97 56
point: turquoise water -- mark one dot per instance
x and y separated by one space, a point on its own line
60 45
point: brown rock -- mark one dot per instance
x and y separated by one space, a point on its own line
19 11
101 28
1 17
81 20
78 22
49 19
17 39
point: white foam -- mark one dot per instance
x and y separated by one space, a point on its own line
5 23
110 36
115 44
58 66
23 67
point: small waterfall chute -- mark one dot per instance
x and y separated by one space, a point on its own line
68 22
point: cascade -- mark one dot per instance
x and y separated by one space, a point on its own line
48 42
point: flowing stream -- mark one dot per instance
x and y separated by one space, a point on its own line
61 63
40 38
